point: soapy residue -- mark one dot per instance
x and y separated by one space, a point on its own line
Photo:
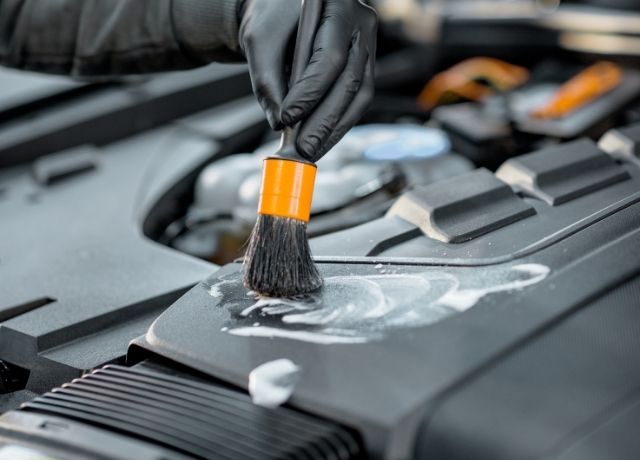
272 384
216 290
358 309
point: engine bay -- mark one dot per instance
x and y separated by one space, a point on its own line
478 233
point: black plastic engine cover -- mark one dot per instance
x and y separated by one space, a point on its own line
80 275
385 380
182 415
414 349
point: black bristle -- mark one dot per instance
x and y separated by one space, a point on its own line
278 261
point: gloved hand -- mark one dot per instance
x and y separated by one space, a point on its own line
337 86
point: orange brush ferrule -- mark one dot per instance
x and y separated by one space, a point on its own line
287 188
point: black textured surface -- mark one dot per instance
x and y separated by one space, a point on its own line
616 437
50 437
462 208
107 113
79 278
592 200
22 91
383 387
278 260
370 239
563 173
541 372
549 397
57 167
199 419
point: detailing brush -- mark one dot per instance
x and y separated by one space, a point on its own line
278 260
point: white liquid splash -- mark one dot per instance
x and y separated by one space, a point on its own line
358 309
216 290
272 384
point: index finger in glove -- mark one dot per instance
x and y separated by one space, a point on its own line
331 51
266 31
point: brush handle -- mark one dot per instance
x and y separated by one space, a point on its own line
310 15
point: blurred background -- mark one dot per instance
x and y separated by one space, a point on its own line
461 84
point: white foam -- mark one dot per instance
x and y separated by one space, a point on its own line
272 384
215 291
357 309
304 336
464 299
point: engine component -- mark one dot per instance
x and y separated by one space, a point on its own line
623 143
184 416
355 183
589 104
451 322
584 88
216 193
473 80
570 184
95 281
504 126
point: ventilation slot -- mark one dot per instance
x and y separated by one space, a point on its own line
195 418
7 313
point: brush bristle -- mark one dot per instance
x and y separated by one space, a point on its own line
278 261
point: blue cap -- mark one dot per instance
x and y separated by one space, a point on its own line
399 142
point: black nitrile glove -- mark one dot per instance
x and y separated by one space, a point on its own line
337 86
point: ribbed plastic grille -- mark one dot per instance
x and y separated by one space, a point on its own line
194 418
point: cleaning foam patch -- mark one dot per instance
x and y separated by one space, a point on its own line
272 384
359 309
